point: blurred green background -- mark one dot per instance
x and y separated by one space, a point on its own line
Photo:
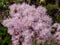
52 6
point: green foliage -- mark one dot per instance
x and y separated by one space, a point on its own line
51 7
42 1
5 38
58 18
1 3
35 42
52 43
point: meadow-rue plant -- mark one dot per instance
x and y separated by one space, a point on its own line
27 22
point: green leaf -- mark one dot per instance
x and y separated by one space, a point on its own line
52 43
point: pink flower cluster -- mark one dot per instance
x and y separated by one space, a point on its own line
57 33
26 23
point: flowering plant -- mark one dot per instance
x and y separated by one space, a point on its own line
27 22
